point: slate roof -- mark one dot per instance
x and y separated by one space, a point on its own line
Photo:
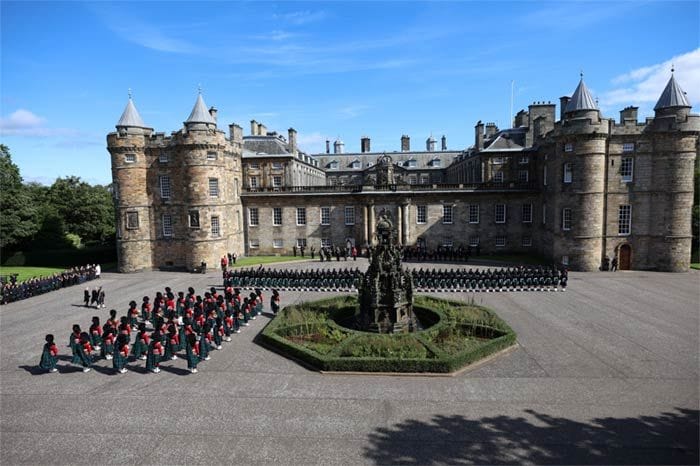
672 96
581 100
199 113
131 117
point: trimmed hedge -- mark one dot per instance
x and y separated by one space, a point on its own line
456 316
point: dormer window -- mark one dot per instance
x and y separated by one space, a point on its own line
333 165
436 162
411 163
355 164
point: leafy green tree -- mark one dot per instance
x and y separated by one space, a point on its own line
87 211
19 217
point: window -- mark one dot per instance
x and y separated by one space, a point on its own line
355 164
215 228
164 182
527 213
498 160
163 157
527 241
277 216
325 242
193 216
325 215
425 179
412 179
254 244
627 169
523 176
349 215
333 165
277 166
213 187
130 158
254 165
624 220
566 219
301 242
565 260
524 160
568 173
421 214
544 175
569 147
498 177
544 214
500 241
500 213
473 213
448 243
277 243
277 181
473 241
411 163
211 155
132 220
253 218
301 215
446 214
436 163
628 147
167 225
253 181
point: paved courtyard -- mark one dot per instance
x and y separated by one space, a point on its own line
605 373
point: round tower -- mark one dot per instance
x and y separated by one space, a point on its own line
127 147
580 187
674 150
209 194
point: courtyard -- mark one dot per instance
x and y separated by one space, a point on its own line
604 373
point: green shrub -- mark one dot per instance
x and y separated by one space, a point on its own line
385 346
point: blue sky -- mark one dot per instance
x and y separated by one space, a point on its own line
328 69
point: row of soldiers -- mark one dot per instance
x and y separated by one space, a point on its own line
442 253
324 280
16 291
521 278
186 323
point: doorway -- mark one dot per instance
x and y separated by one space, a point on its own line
625 257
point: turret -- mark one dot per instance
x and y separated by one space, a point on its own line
673 101
200 118
581 105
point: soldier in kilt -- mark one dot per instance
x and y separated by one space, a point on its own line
96 334
83 352
171 343
133 314
74 341
146 309
205 342
108 337
121 353
140 347
228 324
155 352
275 302
218 332
49 355
192 352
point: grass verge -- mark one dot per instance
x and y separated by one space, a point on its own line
257 260
25 273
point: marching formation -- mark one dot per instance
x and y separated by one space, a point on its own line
283 279
187 324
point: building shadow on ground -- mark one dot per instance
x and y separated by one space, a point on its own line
666 438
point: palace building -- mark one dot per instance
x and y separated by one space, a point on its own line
576 187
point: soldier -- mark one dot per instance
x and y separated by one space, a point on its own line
121 352
49 355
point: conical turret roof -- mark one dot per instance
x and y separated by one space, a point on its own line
581 100
672 96
131 117
200 114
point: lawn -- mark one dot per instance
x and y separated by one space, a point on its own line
25 273
257 260
695 266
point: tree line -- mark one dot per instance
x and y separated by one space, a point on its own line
69 214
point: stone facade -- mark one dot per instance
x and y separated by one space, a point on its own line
576 190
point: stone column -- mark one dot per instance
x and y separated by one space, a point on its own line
405 229
371 225
399 224
365 226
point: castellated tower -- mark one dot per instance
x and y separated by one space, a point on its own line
577 174
130 164
185 190
674 147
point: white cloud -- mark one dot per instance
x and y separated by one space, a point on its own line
643 86
22 122
301 17
312 143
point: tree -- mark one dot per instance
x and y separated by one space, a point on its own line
18 214
87 211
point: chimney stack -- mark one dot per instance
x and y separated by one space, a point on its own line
629 115
328 146
253 128
479 136
262 130
491 129
364 144
405 143
563 102
235 132
443 144
292 140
